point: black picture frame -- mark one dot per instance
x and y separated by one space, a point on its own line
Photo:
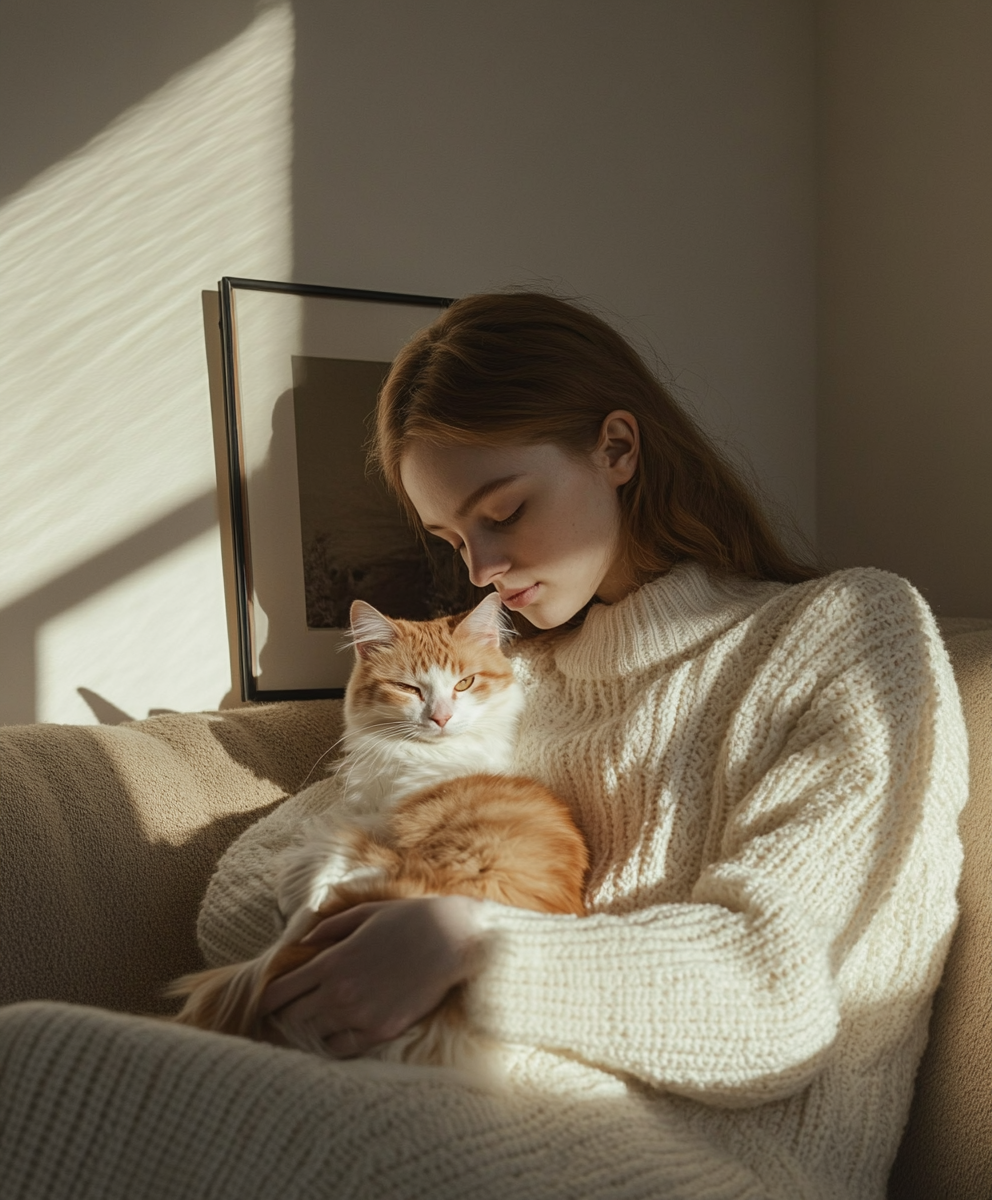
281 343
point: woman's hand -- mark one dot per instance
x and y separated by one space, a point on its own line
386 965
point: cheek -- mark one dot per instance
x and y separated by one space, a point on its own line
466 706
581 530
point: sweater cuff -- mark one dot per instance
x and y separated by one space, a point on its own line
513 977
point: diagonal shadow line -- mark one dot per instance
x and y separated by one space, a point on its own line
132 52
21 621
143 547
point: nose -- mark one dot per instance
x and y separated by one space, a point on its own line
440 719
485 562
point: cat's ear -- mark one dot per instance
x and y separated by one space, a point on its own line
487 622
369 628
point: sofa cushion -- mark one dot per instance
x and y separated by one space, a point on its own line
110 834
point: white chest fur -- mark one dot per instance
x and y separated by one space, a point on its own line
376 771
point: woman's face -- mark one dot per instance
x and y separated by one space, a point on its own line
538 524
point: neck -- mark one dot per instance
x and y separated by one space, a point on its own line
619 581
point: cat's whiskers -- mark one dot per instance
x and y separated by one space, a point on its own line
370 752
332 746
360 741
343 738
367 758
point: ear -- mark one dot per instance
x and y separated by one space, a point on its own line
619 446
487 622
369 628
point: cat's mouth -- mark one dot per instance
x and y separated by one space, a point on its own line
432 732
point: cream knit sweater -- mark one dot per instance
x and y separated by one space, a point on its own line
769 779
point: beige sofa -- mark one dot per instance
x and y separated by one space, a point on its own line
110 834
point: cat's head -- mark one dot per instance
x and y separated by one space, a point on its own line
430 680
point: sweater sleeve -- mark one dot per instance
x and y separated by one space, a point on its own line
835 801
239 916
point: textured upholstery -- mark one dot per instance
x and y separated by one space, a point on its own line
947 1148
110 834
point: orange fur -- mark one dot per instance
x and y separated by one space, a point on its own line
491 837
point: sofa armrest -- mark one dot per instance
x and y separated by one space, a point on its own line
110 834
946 1149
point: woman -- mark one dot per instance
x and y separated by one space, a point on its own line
767 764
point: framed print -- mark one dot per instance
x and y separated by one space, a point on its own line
311 531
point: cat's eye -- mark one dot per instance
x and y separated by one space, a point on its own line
408 687
464 684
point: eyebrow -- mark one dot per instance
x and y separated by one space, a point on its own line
479 495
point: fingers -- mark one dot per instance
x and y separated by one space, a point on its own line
291 986
342 1043
378 968
342 924
310 1009
270 1032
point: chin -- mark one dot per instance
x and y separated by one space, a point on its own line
543 616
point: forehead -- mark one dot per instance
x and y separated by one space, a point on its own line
439 479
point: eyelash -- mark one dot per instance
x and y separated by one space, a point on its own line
504 524
514 516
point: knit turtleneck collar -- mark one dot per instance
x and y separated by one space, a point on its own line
662 620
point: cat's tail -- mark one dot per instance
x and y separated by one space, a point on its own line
224 999
227 999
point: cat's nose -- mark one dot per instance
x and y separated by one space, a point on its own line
441 719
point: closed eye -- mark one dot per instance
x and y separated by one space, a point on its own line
408 687
513 517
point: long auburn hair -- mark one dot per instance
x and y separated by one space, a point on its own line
532 368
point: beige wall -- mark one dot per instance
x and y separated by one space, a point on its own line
905 337
151 155
656 158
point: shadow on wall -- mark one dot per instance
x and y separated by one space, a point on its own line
21 621
151 146
67 73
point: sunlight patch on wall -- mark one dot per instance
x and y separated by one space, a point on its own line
104 397
156 619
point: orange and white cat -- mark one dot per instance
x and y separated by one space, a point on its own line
422 804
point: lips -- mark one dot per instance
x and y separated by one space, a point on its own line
521 598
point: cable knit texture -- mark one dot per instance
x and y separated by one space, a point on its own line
769 779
